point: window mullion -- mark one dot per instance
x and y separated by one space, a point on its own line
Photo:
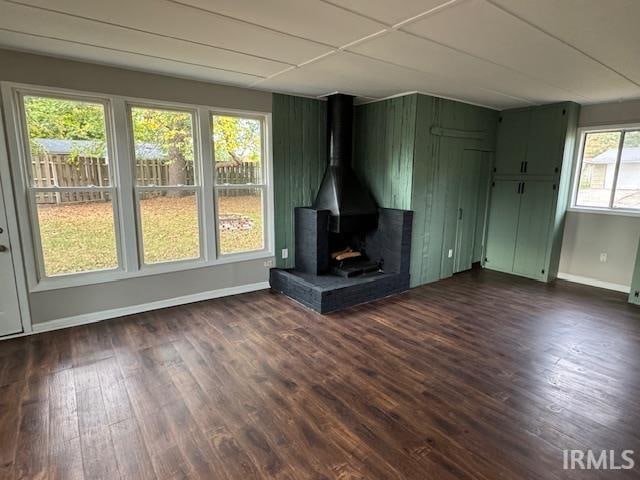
123 173
617 169
207 173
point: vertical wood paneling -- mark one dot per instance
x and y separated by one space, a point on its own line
431 184
299 160
384 145
425 171
395 156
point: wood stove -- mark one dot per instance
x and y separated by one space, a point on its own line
347 250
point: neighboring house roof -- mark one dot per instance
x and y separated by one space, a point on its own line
629 155
55 146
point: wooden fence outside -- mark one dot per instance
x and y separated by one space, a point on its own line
61 171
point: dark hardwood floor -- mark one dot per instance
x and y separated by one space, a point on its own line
481 376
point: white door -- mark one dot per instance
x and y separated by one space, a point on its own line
10 321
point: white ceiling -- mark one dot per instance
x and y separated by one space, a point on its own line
498 53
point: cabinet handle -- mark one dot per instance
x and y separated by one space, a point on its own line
522 191
459 214
521 166
519 185
525 166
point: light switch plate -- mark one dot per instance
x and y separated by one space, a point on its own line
285 253
450 252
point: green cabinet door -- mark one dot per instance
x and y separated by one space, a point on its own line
634 294
511 147
484 189
503 224
534 223
471 181
544 143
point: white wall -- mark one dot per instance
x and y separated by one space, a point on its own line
610 113
88 300
586 235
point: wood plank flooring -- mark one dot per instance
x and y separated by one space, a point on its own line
481 376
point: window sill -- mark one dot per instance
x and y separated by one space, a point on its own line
95 278
605 211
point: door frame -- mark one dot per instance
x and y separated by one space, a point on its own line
7 192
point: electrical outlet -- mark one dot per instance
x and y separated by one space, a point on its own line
268 263
450 252
285 253
603 257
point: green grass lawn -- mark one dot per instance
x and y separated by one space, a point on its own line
80 237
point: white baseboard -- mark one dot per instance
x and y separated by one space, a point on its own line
145 307
594 282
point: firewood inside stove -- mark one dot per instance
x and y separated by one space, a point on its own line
345 255
334 255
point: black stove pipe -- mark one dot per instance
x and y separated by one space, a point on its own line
340 129
352 206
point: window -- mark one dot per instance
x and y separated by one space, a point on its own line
117 187
240 189
166 184
609 170
70 185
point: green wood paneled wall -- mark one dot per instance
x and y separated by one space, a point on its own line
384 149
299 161
395 154
430 184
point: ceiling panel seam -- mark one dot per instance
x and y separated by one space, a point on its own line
147 32
247 22
119 50
487 60
417 70
354 12
307 62
558 39
423 15
387 29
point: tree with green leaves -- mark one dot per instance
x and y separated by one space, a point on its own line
172 132
600 142
53 118
236 139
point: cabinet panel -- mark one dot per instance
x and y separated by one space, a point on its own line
544 145
513 132
534 223
483 208
503 224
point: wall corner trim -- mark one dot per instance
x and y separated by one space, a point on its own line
145 307
593 282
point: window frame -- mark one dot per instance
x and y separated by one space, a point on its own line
126 217
197 186
263 185
581 136
31 190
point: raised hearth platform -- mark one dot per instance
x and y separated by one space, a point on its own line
329 293
311 282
